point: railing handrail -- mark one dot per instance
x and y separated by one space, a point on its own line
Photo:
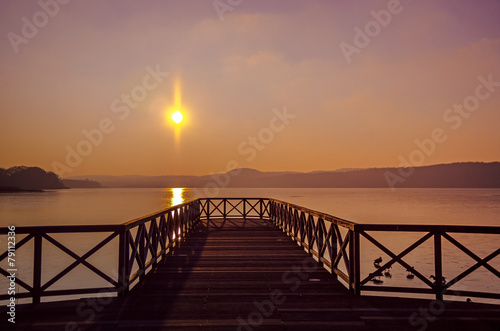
306 226
489 229
93 228
64 228
327 217
143 219
393 227
142 249
313 235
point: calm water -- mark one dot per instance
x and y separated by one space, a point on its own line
410 206
114 206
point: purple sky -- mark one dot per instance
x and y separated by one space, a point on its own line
270 85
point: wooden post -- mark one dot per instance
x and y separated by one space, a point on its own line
333 247
123 255
320 240
188 211
272 209
164 235
141 231
154 242
309 234
198 210
185 221
351 261
438 266
180 231
225 210
357 263
37 268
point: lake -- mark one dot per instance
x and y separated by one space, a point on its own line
404 206
115 206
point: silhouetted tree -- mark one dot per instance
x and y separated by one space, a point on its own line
29 178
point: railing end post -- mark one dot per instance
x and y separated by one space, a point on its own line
37 268
123 278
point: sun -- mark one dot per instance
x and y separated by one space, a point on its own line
177 117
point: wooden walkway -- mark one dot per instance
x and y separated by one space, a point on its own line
248 275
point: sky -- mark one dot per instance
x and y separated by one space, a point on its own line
89 87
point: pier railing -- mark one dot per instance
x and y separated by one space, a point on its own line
326 237
340 252
142 243
437 235
334 242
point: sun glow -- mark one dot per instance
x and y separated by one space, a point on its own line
176 113
177 117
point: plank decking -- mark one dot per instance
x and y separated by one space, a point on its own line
240 274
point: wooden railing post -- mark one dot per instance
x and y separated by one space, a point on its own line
37 268
244 209
198 210
189 217
123 267
438 266
224 202
270 212
273 212
320 240
154 241
181 225
309 234
333 247
184 222
357 264
351 261
141 231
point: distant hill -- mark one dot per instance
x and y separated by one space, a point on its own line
77 183
454 175
23 178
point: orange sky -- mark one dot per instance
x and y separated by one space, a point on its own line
86 86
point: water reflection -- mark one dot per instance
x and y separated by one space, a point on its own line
177 196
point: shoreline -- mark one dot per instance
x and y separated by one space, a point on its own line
18 190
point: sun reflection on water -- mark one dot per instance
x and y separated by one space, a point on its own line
177 197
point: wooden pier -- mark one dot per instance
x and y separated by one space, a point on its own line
200 271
